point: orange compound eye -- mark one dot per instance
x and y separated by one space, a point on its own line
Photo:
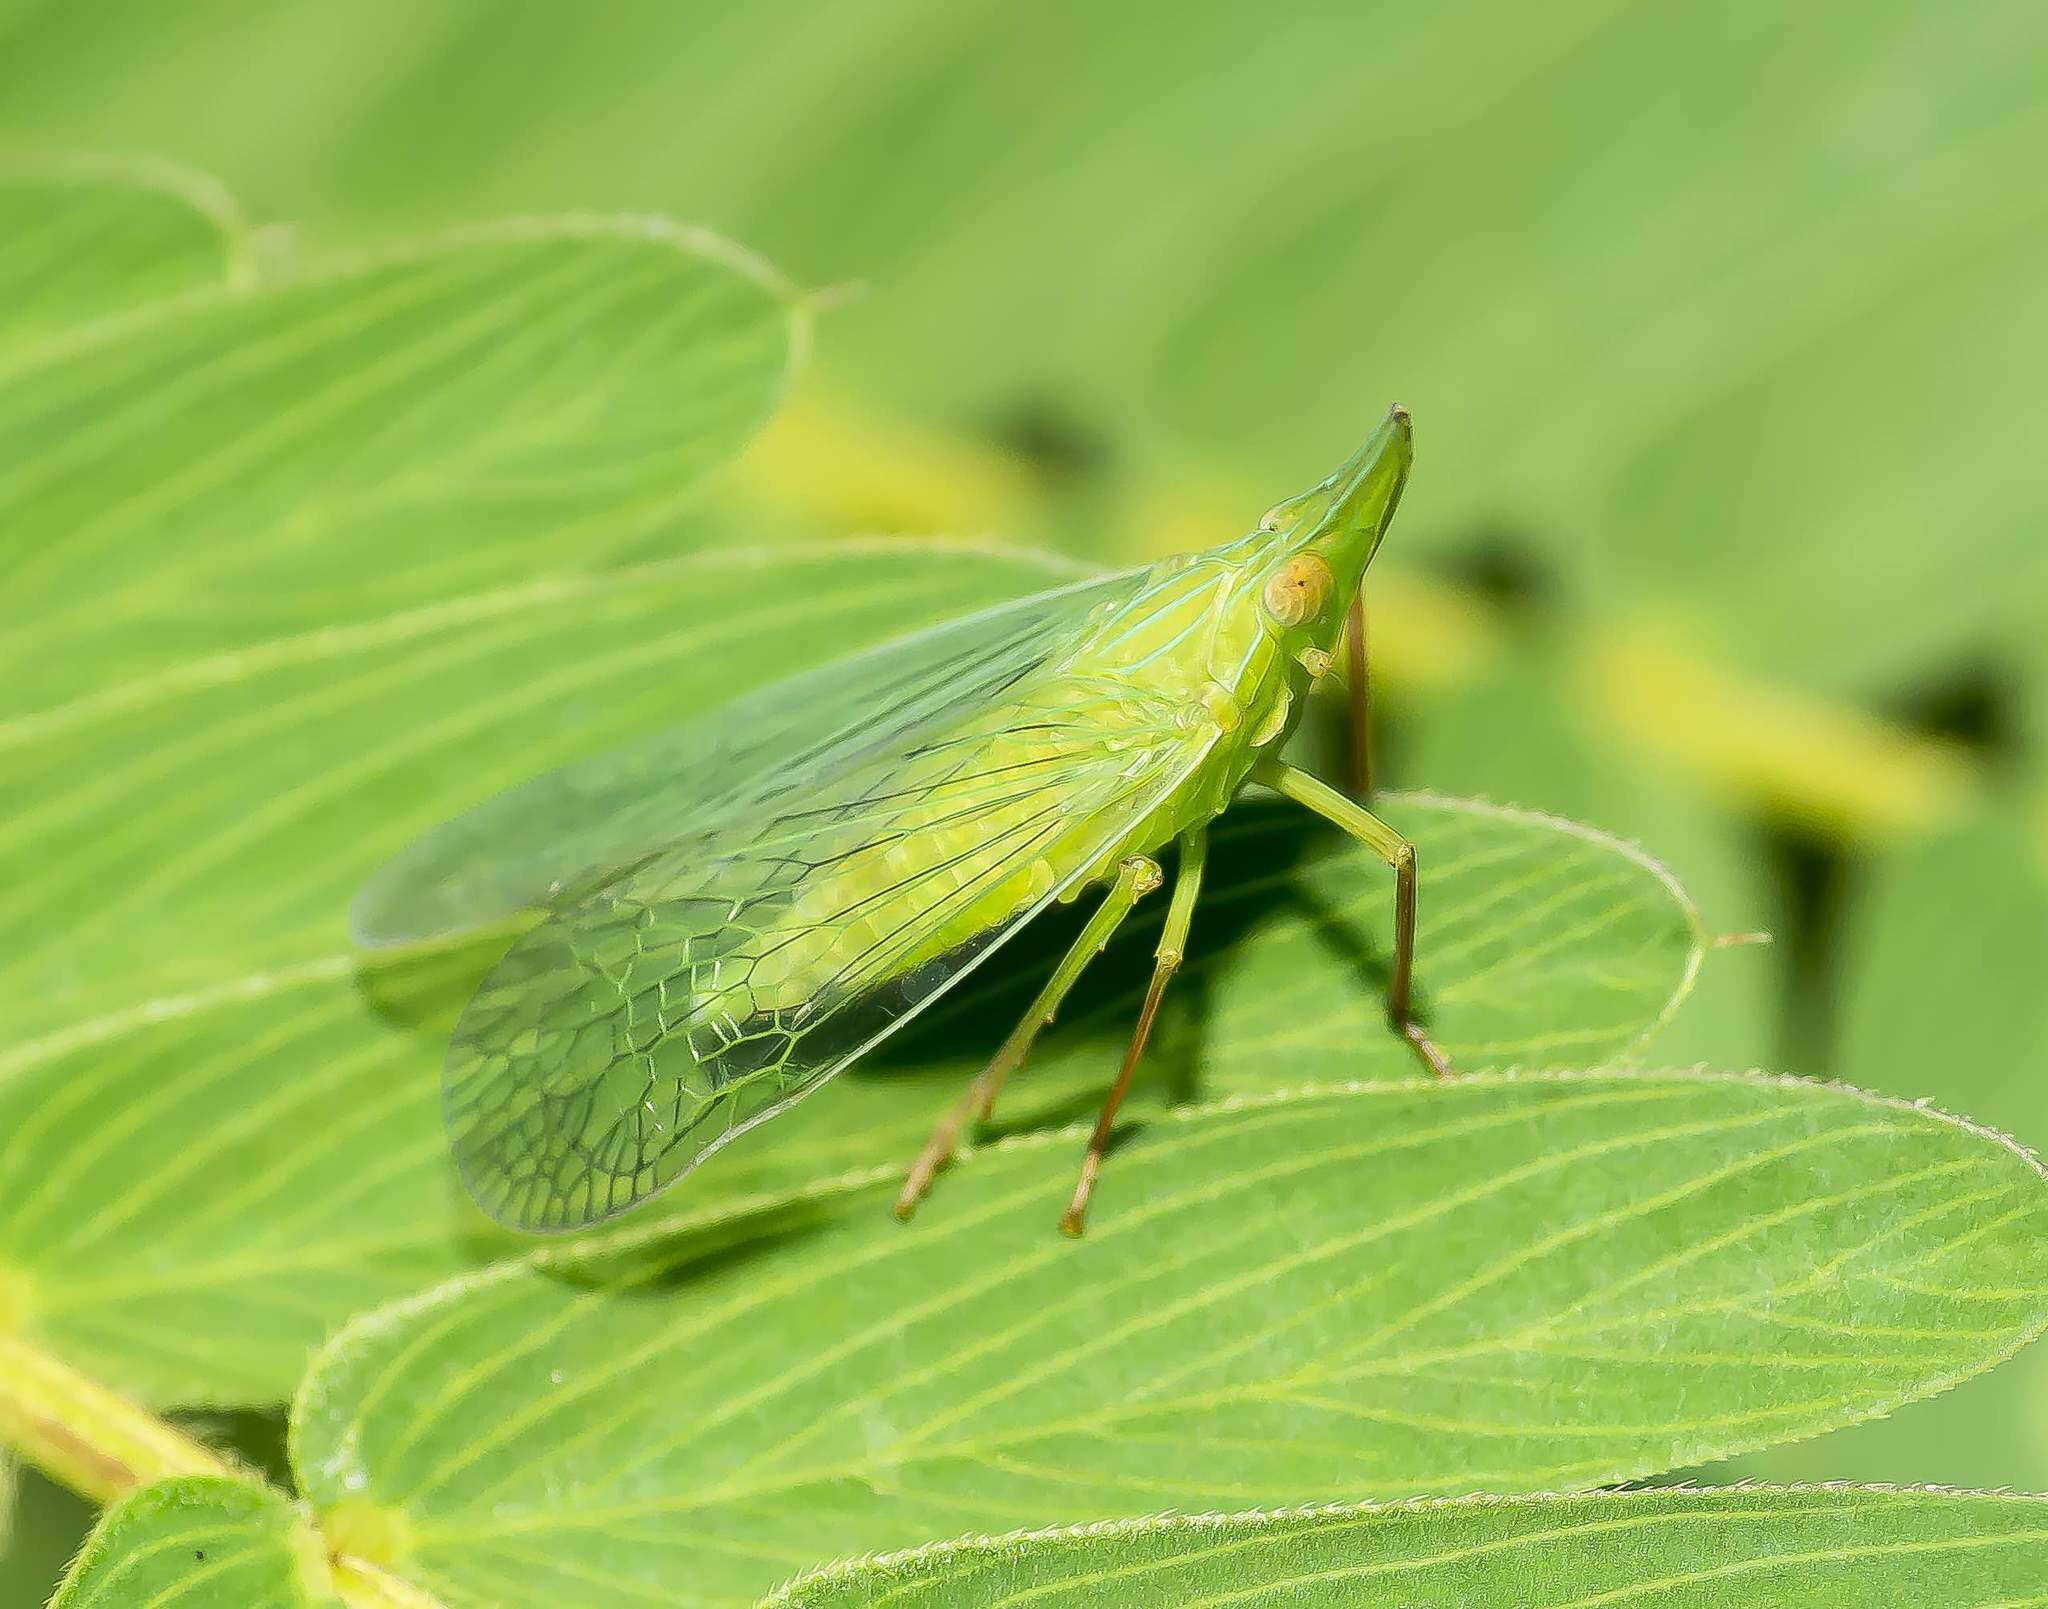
1298 590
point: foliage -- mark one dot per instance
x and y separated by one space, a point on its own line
1860 1548
308 557
1392 1289
200 1542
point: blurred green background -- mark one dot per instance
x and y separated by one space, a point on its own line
1722 325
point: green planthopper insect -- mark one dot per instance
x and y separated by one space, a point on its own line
741 907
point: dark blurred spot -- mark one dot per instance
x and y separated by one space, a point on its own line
1391 747
1977 706
1063 450
1815 877
256 1437
1498 562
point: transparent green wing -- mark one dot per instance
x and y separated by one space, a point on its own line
522 849
640 1028
742 906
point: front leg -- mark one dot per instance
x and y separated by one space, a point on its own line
1398 853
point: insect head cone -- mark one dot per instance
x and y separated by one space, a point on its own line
1332 531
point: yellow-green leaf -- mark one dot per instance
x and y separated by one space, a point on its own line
1741 1548
200 1542
1498 1283
83 239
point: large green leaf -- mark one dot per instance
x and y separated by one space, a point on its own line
200 1542
356 447
246 538
1849 1548
84 239
1500 1282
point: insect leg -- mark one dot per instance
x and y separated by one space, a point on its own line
1358 678
1135 878
1173 941
1398 853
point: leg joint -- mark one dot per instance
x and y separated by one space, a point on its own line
1140 874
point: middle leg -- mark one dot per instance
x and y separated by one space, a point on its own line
1173 942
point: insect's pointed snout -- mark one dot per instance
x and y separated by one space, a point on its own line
1362 498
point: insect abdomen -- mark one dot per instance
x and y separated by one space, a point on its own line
991 822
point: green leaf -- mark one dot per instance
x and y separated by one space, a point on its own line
1505 1282
83 238
353 449
1852 1548
199 1541
197 1183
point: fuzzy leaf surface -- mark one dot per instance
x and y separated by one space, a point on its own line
200 1542
1538 1282
1854 1548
